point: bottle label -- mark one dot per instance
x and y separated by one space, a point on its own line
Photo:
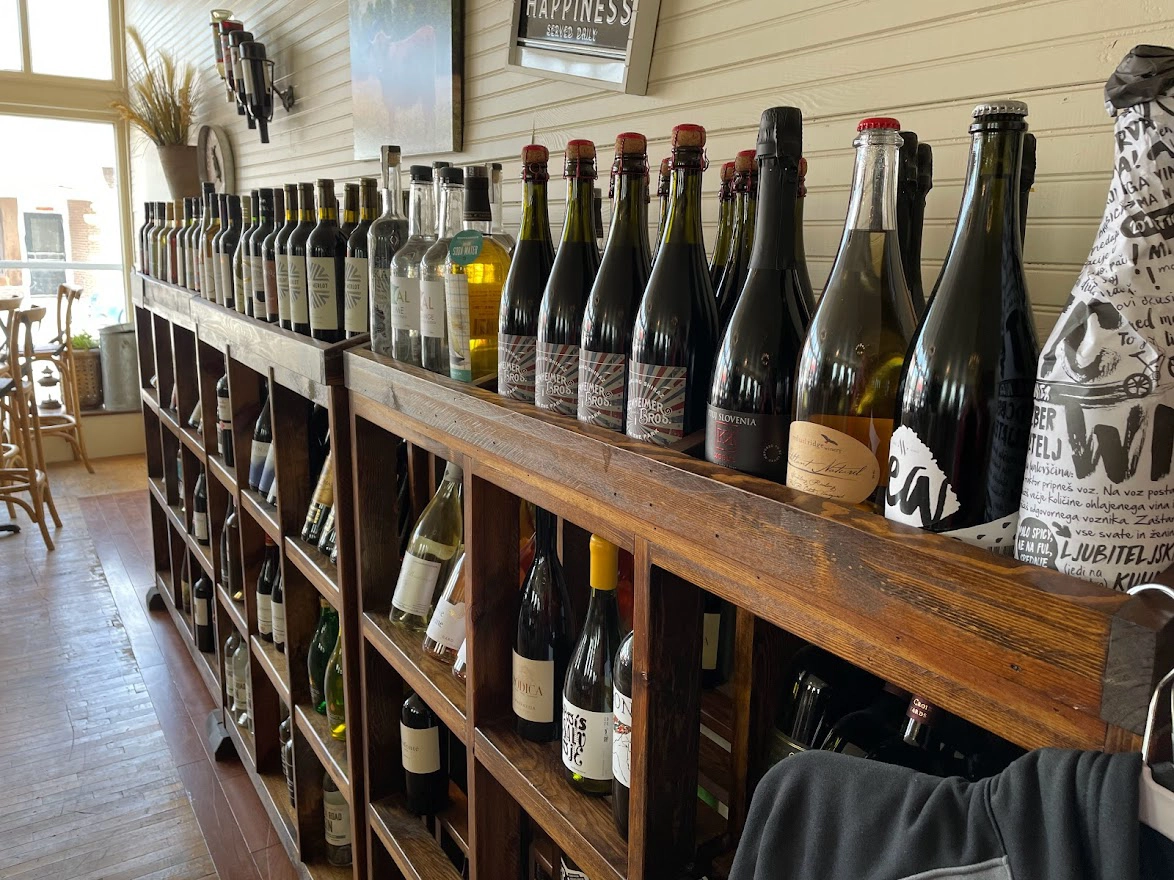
224 412
920 710
656 402
533 690
203 612
556 385
244 273
754 443
587 741
357 284
568 872
264 614
456 304
621 742
270 287
603 377
299 303
416 585
257 456
405 303
323 293
712 633
282 264
380 309
277 610
229 279
258 276
338 822
324 491
433 322
516 363
829 463
447 626
466 246
240 682
420 749
269 472
211 273
200 526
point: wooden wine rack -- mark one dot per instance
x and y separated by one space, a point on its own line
1037 657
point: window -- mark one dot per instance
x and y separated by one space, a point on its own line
10 35
57 38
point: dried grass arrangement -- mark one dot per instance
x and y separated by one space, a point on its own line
161 96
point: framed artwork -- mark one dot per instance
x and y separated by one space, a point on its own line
407 67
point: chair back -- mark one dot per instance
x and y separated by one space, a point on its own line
67 295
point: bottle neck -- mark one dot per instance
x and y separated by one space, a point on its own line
291 206
683 225
579 225
629 219
873 205
391 193
421 207
482 226
800 250
495 205
545 532
990 200
774 238
452 205
535 213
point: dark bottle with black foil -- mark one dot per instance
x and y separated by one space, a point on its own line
281 254
350 210
256 253
619 286
358 279
909 219
676 333
243 262
1026 181
521 296
560 317
226 243
299 293
959 449
224 422
733 275
272 312
326 268
231 573
752 396
424 758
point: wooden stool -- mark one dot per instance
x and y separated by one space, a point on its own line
24 473
59 352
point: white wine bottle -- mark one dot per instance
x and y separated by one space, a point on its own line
433 544
446 630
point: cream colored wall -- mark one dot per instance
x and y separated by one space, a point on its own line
106 435
718 63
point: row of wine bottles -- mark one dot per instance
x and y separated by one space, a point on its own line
336 812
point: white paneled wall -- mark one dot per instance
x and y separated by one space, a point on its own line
718 63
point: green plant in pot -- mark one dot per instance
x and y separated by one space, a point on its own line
160 102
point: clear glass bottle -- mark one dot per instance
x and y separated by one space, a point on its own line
433 545
387 235
243 686
433 320
497 229
285 736
230 645
446 629
403 308
333 684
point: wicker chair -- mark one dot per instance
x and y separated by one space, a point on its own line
59 352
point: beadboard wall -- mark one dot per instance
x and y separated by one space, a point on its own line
718 63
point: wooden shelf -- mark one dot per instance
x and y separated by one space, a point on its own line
277 796
432 680
246 747
455 817
533 775
171 421
258 508
192 441
151 399
203 554
330 751
409 842
235 610
274 663
317 568
223 473
715 770
717 711
158 490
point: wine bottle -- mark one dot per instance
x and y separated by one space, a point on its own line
818 690
336 813
321 504
173 254
165 260
588 717
387 235
269 478
433 544
404 298
599 236
281 254
521 296
296 262
327 543
752 395
725 224
908 227
262 441
424 761
474 274
200 510
144 260
227 242
850 365
230 554
285 738
242 685
800 251
1026 181
270 566
676 334
192 247
224 443
230 645
915 746
664 184
277 609
202 600
154 237
268 252
433 270
717 646
542 646
734 272
621 741
181 236
560 315
255 244
446 629
358 278
497 208
619 285
318 656
196 418
350 210
334 687
326 268
179 477
246 302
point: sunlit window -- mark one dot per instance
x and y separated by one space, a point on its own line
70 37
9 35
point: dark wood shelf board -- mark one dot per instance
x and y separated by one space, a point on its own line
170 421
192 441
444 693
455 817
409 842
235 610
274 663
715 769
223 473
279 808
317 568
532 773
246 747
258 508
151 399
157 489
717 711
176 518
203 554
330 751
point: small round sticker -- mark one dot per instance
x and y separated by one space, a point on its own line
465 246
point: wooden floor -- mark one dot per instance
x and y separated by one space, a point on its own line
102 749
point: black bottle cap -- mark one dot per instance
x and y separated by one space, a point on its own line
780 132
925 167
452 175
1027 172
421 173
477 198
441 164
209 187
1146 73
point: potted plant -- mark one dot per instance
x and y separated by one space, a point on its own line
88 363
160 102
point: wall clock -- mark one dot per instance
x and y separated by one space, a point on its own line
216 160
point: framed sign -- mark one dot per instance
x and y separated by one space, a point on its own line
604 42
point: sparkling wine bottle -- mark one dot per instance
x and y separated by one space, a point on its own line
560 316
621 738
800 249
405 279
725 224
1026 180
281 254
664 182
358 273
296 262
733 275
908 216
433 271
424 760
850 366
433 544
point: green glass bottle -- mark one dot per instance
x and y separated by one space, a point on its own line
733 275
318 658
326 268
299 296
725 223
335 692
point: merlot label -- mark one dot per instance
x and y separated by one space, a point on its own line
556 385
754 443
299 303
587 741
533 691
621 741
656 402
447 626
354 317
603 377
405 303
323 293
416 585
711 632
516 365
829 463
419 749
433 322
456 303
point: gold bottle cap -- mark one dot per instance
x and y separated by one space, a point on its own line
605 564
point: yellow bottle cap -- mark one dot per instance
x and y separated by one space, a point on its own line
605 564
